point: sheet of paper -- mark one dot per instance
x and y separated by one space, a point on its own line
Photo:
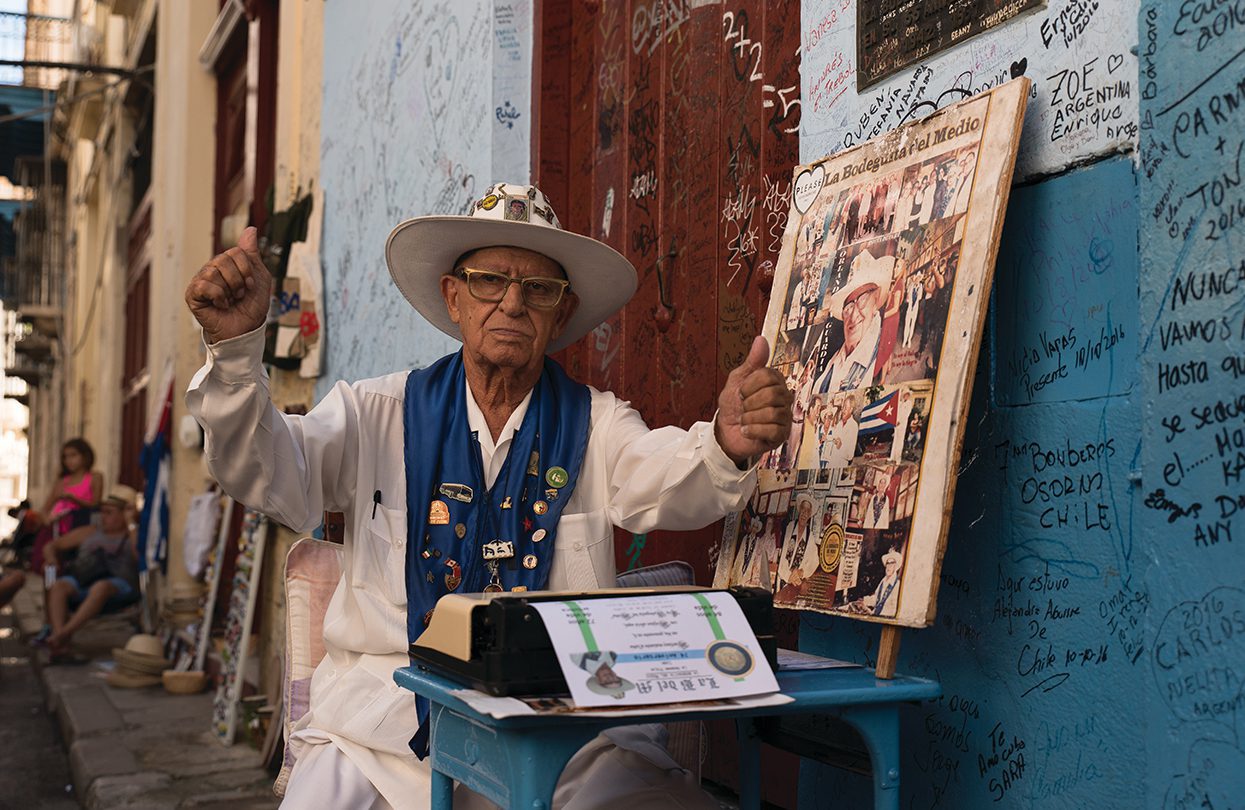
502 707
790 660
656 648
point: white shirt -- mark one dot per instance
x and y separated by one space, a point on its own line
350 446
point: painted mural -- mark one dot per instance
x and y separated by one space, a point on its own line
1078 53
425 105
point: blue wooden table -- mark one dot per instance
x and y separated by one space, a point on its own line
516 761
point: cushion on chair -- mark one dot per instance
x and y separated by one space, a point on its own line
675 572
312 570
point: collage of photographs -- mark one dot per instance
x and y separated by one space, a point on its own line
859 338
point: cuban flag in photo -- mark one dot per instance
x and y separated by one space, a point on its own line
880 415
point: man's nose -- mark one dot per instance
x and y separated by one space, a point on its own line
512 302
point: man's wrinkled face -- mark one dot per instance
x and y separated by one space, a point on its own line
806 512
858 309
507 334
892 565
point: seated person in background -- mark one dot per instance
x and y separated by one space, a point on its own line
72 498
79 486
493 441
103 575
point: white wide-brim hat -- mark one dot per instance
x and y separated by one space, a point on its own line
420 251
866 271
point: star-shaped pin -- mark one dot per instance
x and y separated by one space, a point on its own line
527 524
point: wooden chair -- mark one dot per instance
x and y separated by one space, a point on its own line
312 570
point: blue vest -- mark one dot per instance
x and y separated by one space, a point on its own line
461 535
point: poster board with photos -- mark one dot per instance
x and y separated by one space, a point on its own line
875 319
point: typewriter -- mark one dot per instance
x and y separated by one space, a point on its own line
497 643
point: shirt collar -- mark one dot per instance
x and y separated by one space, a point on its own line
493 454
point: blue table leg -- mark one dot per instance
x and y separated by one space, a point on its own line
749 764
442 791
879 727
518 770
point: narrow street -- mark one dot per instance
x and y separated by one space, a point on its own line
34 771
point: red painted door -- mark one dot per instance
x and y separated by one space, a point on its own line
668 129
669 132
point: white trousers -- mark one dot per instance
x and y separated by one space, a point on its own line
601 776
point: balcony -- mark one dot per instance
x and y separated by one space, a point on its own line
32 281
34 345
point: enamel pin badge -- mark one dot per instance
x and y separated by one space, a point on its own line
498 550
459 492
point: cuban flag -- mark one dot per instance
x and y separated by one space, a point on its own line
880 415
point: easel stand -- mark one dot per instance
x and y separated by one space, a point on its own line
888 652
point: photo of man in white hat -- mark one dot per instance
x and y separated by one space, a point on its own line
798 554
884 601
858 304
493 442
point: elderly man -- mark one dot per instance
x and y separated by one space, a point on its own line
858 304
884 601
493 442
798 562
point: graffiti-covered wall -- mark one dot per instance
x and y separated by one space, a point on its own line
1192 377
1077 52
425 105
1091 614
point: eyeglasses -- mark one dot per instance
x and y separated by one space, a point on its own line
490 287
857 303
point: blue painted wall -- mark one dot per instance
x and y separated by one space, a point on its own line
1192 374
425 105
1091 615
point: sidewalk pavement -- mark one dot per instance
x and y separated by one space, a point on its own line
142 749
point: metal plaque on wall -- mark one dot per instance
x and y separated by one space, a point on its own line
892 34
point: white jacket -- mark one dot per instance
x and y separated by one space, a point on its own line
293 468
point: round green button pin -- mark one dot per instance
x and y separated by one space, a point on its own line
557 477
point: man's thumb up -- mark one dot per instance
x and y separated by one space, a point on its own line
758 355
249 241
754 408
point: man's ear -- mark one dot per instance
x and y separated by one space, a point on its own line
570 303
449 291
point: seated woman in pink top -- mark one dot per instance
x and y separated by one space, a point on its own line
80 486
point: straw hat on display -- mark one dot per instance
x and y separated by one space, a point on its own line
182 608
140 663
422 250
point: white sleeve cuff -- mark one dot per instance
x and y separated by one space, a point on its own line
237 359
